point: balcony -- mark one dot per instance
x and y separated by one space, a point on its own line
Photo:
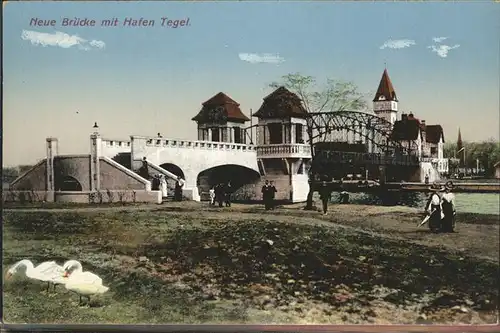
288 150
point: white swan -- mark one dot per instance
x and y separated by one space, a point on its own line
83 283
48 271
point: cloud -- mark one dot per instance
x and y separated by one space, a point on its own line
397 43
255 58
442 50
439 39
61 39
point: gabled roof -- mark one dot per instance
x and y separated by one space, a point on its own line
433 133
220 108
385 89
281 103
220 99
406 129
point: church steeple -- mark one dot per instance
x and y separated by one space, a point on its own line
459 140
385 102
385 89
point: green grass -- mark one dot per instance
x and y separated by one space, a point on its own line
208 267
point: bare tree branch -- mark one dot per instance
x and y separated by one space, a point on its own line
335 95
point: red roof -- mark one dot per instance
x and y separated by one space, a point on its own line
281 103
408 128
433 133
230 108
385 89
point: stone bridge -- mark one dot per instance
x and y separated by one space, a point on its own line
201 164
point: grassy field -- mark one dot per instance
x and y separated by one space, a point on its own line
188 263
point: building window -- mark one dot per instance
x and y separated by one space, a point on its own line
433 151
225 134
216 134
237 135
275 133
299 133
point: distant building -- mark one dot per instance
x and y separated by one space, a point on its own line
497 170
429 139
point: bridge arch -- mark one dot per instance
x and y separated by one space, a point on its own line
359 142
241 177
174 168
68 183
367 127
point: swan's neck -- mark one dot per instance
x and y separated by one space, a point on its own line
73 266
26 266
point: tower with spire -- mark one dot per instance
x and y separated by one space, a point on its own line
385 102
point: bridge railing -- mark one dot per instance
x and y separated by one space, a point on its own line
116 143
365 158
284 150
195 144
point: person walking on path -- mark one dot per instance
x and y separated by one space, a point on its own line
325 194
434 208
163 186
219 194
228 191
272 195
178 189
448 206
144 169
212 196
266 194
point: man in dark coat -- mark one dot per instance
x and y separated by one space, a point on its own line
228 191
144 169
266 195
272 194
219 193
325 194
178 189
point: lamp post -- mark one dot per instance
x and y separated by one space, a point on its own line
462 149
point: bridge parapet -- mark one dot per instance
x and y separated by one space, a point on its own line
112 147
365 158
195 144
293 150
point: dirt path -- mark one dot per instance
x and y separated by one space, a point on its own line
477 235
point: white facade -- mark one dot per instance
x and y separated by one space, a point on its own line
386 109
284 156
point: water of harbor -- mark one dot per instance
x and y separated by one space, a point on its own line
486 203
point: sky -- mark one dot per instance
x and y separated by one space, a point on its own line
442 58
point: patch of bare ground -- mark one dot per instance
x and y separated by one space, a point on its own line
187 261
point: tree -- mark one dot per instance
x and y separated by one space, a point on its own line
9 174
486 152
334 95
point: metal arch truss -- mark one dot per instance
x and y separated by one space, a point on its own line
357 127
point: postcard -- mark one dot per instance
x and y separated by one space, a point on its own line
250 162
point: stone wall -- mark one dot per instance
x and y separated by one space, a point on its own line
114 177
32 180
106 196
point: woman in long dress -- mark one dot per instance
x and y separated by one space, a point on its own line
448 204
163 186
